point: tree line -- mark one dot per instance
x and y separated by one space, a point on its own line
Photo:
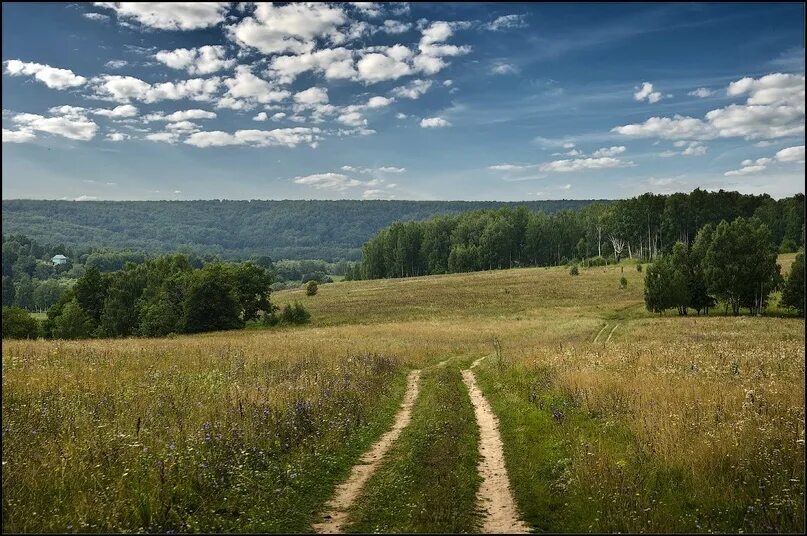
642 227
157 297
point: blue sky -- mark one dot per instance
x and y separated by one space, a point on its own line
400 101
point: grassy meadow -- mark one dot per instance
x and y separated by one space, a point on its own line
663 424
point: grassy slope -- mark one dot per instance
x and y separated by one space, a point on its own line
614 432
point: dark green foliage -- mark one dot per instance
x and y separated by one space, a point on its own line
294 314
574 270
73 322
788 246
18 324
8 290
623 282
639 268
252 283
596 261
793 291
311 288
211 301
740 264
90 292
329 230
666 282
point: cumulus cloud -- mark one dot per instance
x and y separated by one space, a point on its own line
181 115
415 89
373 193
170 15
328 181
288 28
261 117
285 137
646 93
581 164
116 64
395 27
609 151
98 17
74 126
18 136
126 88
334 63
52 77
749 167
506 22
245 90
312 97
503 68
117 136
434 122
701 92
774 109
203 60
122 111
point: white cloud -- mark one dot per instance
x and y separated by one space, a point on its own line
52 77
701 92
166 137
434 122
328 181
98 17
116 136
506 22
181 115
646 93
609 151
74 127
182 127
85 198
286 137
581 164
352 119
203 60
694 149
413 90
312 97
379 102
512 167
289 28
371 9
377 194
774 109
335 63
503 68
261 117
18 136
377 67
124 110
391 169
395 27
116 64
125 88
247 89
791 154
170 15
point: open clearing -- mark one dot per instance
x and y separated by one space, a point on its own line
689 424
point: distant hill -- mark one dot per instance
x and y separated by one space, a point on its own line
290 229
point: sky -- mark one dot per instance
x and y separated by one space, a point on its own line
472 101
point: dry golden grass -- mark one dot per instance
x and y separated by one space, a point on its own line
676 386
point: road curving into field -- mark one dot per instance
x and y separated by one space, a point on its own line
494 497
335 516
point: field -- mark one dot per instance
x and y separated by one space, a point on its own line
612 419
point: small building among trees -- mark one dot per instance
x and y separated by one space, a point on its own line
59 259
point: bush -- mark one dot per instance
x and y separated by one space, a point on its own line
788 246
18 324
73 323
639 268
294 314
311 288
596 261
623 283
574 270
792 294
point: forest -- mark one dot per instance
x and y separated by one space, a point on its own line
642 227
288 229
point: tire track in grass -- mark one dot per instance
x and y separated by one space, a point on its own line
612 332
600 333
346 493
494 496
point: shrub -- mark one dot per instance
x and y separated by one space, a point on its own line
73 323
639 268
623 283
18 324
311 288
792 294
295 314
596 261
574 270
788 246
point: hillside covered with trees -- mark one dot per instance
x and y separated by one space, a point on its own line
289 229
